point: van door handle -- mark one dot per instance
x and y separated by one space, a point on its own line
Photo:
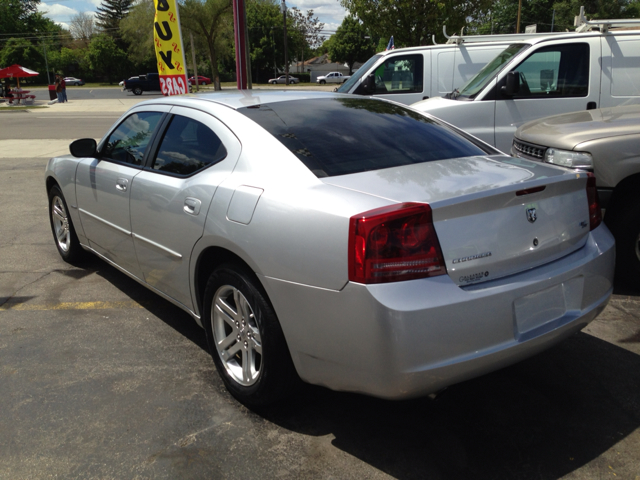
121 184
425 97
192 206
591 106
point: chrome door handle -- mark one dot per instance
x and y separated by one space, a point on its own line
192 206
121 184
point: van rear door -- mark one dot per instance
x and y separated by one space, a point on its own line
558 78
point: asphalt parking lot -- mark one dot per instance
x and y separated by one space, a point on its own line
100 378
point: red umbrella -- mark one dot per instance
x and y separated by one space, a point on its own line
17 71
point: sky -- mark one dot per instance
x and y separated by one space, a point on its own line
328 11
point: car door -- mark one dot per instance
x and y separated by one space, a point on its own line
103 187
170 198
559 78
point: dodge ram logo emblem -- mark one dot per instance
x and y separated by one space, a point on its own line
531 215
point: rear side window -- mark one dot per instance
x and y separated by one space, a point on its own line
339 136
188 146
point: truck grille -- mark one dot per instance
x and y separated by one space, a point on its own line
528 149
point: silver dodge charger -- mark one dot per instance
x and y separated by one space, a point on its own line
348 242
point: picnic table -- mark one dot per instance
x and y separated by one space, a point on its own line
21 95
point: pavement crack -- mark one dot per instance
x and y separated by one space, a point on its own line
5 300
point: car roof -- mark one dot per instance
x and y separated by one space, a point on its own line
236 99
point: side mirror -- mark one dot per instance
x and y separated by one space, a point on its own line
84 147
369 83
512 84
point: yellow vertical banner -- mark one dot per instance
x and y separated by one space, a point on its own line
167 37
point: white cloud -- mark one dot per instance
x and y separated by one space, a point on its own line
57 12
329 12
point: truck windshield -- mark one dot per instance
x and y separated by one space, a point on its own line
490 70
355 78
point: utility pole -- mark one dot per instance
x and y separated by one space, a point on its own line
283 5
519 8
46 63
195 65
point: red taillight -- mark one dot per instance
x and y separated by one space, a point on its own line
595 214
394 243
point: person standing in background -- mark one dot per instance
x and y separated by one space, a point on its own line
64 88
58 84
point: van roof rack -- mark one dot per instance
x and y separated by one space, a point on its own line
509 37
584 25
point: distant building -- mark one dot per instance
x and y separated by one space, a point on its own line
321 65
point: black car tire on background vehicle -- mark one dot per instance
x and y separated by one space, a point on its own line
626 230
137 91
275 82
322 82
245 339
64 234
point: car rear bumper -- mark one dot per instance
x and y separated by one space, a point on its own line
407 339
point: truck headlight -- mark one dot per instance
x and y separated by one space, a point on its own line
566 158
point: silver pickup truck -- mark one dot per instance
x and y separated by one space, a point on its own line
604 141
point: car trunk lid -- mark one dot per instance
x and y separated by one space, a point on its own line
494 216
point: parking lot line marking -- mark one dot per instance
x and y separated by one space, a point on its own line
74 306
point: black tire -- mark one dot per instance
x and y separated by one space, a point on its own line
274 83
322 82
77 84
254 363
626 230
137 91
64 234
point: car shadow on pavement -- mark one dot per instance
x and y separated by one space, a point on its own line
164 310
542 418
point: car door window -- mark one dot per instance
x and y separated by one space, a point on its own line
188 146
128 142
555 71
400 74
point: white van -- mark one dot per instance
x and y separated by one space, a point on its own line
408 75
545 76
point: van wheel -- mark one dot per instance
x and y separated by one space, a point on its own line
245 339
137 91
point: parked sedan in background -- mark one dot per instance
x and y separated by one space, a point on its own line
74 81
605 141
283 79
201 80
388 253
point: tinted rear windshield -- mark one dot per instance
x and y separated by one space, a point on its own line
339 136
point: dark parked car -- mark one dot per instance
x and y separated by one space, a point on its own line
144 83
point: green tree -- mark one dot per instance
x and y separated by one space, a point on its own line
137 31
22 52
413 22
351 43
105 58
110 13
212 20
309 31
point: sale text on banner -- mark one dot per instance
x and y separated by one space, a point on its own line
169 52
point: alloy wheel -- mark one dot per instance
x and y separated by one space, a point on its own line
237 336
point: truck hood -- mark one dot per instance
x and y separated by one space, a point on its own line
434 104
568 130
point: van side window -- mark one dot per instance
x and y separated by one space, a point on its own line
400 74
555 71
